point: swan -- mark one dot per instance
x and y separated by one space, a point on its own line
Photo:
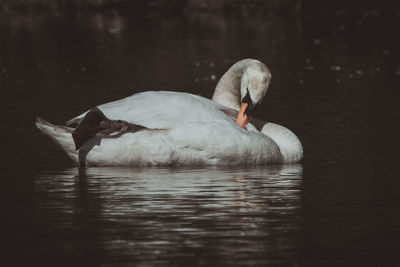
175 128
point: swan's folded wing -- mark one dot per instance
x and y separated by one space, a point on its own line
116 107
159 109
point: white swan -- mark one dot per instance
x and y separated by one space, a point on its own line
185 129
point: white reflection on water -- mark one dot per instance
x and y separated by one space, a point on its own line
226 214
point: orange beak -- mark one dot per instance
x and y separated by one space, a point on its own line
242 118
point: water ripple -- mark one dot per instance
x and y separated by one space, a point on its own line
174 216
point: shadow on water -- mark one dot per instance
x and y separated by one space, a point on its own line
171 216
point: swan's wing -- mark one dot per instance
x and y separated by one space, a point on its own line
160 109
120 106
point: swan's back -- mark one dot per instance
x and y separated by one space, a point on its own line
162 109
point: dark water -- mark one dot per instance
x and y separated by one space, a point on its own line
336 77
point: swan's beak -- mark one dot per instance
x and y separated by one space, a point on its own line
242 118
250 106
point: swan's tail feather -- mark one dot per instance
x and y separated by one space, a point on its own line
60 135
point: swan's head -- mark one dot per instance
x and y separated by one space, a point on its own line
254 85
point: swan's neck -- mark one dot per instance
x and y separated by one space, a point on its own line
227 92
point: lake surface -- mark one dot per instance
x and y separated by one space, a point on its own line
336 78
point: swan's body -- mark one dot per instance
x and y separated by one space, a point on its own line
182 129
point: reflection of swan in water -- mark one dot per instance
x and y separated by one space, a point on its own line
159 178
227 184
170 210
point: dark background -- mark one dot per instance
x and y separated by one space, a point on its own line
336 77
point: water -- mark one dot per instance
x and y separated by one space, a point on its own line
207 215
335 84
